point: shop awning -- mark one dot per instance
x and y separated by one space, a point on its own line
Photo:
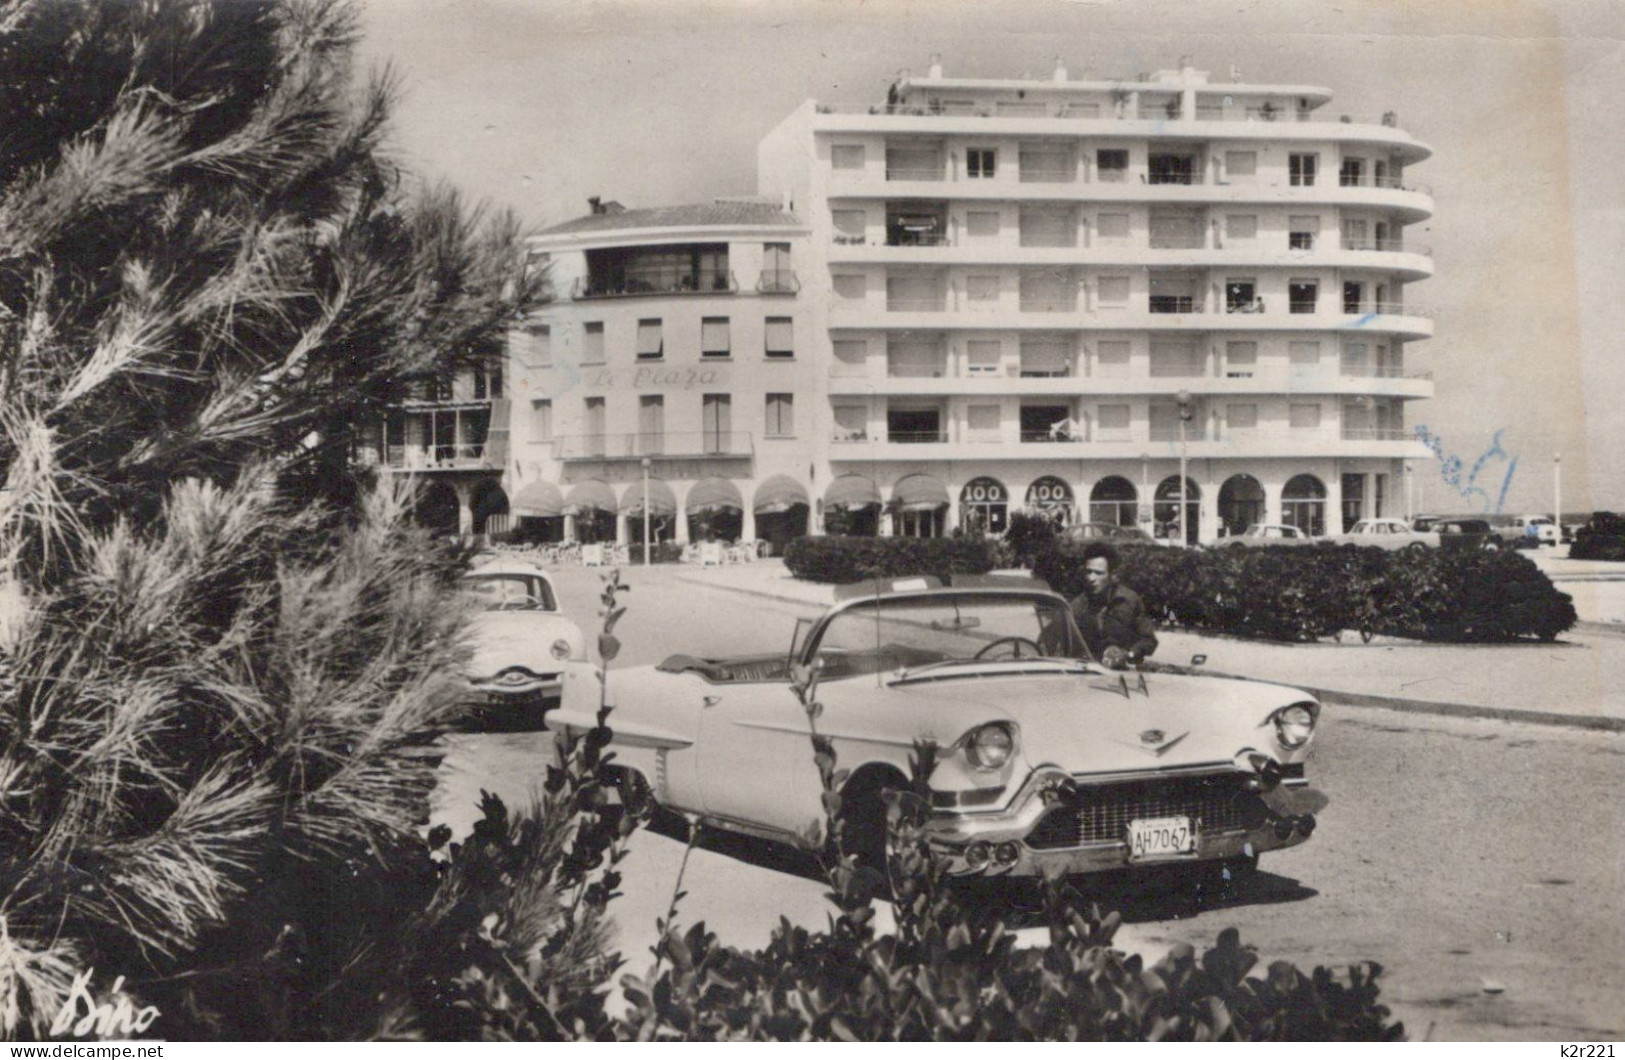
662 501
592 495
712 495
778 494
919 493
851 491
538 500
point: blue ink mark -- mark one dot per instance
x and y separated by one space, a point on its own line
1364 320
1451 467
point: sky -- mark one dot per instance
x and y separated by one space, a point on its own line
534 105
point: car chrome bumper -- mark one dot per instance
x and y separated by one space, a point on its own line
995 845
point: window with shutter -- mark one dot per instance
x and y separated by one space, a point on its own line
1304 417
982 223
1112 359
982 357
1114 290
714 337
780 337
851 285
650 343
592 342
781 422
1241 417
1112 225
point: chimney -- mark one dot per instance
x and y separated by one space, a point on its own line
596 202
936 67
1060 70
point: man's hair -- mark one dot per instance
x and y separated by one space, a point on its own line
1099 550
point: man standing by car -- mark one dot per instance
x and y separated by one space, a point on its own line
1111 616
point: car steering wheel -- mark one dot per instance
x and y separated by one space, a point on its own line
1018 642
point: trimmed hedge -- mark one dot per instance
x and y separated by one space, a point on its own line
840 560
1601 538
1300 594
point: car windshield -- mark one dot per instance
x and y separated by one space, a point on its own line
510 592
913 631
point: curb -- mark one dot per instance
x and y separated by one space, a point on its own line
1335 696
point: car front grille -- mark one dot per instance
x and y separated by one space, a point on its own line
1100 814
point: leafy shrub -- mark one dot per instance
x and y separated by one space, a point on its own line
1299 594
841 560
1601 538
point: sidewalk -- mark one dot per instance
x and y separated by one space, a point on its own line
1575 681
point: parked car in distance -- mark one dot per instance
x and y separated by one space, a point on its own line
1046 761
1536 530
1118 535
1385 533
1261 534
521 644
1466 534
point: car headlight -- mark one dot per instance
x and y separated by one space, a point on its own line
561 649
990 746
1294 725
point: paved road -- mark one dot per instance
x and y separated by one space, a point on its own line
1482 863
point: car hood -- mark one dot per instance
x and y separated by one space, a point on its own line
501 639
1083 722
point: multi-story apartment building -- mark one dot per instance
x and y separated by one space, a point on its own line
1044 293
977 296
678 358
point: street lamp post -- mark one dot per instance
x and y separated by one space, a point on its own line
646 511
1557 495
1186 411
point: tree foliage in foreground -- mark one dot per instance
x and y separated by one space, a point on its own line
219 660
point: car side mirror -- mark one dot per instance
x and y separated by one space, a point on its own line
1198 660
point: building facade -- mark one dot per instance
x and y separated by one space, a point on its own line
677 371
1043 293
978 296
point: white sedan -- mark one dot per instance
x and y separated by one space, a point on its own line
1391 534
1266 534
521 644
1047 761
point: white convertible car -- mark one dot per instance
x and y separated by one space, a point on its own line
521 643
1047 761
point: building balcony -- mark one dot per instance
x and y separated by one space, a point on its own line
1405 262
700 283
1407 322
778 281
639 444
1407 201
1230 446
1376 434
482 456
1316 380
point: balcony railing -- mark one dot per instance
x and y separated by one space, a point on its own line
1380 371
638 444
708 282
437 457
1105 110
1169 303
916 173
1048 174
1194 432
1349 180
1050 434
1389 246
777 281
917 239
916 437
1044 304
916 305
1048 239
1174 177
1375 434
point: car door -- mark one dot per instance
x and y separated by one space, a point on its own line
756 757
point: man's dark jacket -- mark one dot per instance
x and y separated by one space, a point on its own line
1121 620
